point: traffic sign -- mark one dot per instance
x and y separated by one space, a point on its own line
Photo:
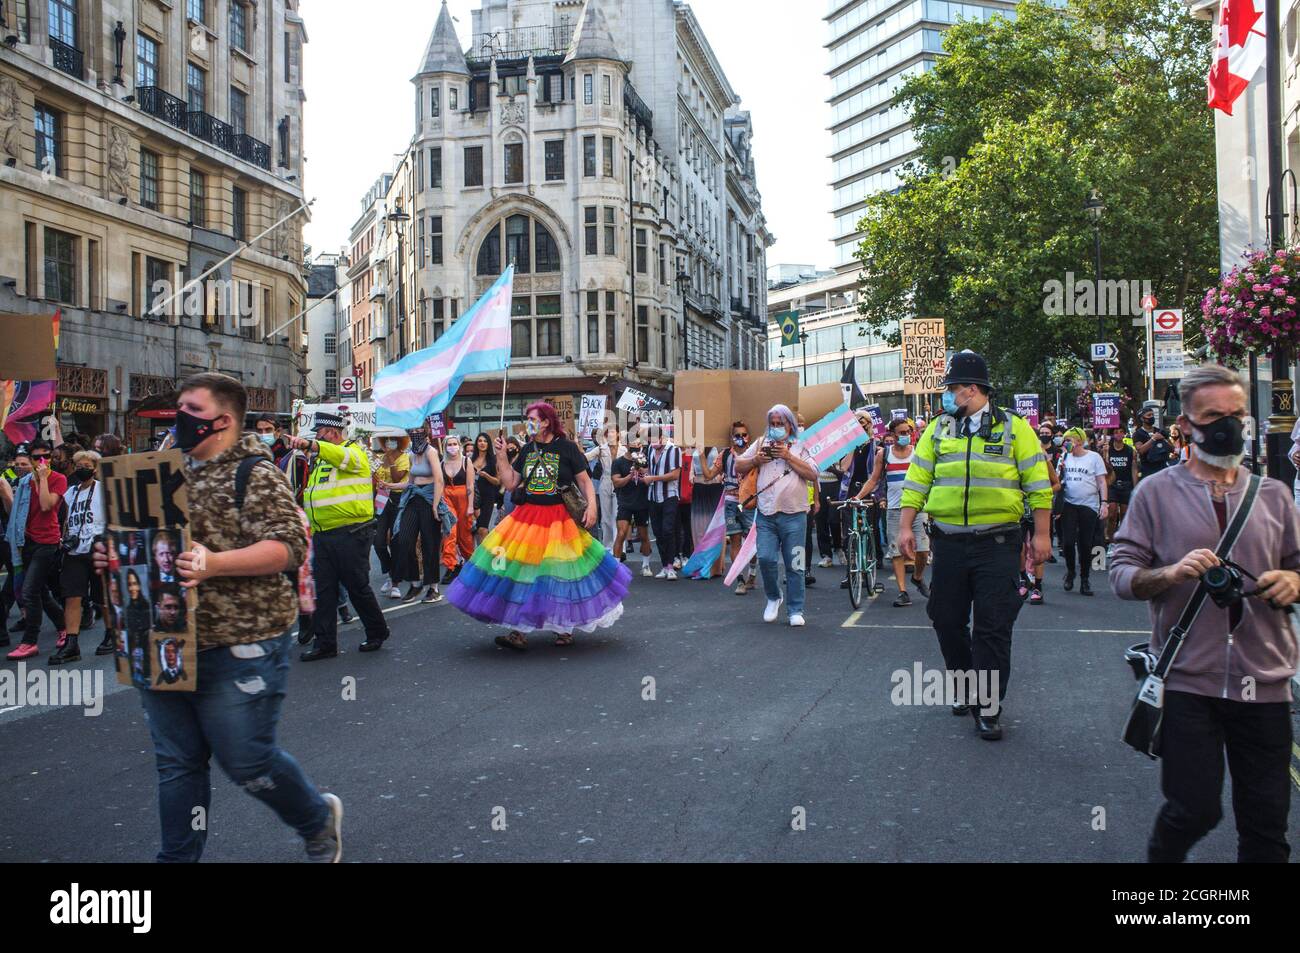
349 388
1104 352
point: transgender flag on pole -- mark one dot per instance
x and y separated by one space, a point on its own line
425 382
709 547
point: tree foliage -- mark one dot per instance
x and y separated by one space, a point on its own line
1017 124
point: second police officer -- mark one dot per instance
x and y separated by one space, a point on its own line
975 470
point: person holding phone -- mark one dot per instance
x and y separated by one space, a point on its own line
35 537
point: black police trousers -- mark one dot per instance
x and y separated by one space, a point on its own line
978 573
342 556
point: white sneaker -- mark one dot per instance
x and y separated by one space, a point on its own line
672 574
394 592
773 607
796 619
663 573
646 570
677 562
825 563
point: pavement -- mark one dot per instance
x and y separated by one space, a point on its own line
691 731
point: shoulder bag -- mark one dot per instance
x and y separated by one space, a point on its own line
1142 730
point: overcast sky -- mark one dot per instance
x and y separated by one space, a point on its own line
360 107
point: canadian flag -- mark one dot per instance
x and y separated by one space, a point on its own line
1239 52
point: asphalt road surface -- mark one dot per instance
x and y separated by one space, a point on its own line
750 729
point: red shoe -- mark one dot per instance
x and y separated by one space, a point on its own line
25 650
62 639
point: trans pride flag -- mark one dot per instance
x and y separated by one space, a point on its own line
425 382
709 546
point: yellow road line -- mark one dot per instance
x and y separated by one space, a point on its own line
1295 777
851 621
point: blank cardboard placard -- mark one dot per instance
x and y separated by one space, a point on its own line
28 353
818 400
714 399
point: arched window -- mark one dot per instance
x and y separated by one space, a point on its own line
525 241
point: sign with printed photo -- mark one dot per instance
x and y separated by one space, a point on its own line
148 528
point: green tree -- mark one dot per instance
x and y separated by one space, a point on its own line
1016 125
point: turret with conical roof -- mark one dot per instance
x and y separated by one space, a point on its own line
444 54
591 38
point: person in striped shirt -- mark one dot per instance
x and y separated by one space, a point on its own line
891 466
665 465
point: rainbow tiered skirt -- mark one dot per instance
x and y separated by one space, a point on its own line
539 571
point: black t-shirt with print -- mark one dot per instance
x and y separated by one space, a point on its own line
545 468
1121 461
633 495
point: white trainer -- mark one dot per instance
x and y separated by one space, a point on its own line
672 574
825 563
646 570
663 573
394 592
773 607
796 619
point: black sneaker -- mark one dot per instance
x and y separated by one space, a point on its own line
1069 582
902 601
326 847
844 583
1085 587
431 596
345 614
921 586
809 580
412 594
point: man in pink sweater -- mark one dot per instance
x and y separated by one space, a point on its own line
1230 688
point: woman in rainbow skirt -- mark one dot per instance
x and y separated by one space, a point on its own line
538 570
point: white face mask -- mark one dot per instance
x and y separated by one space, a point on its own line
1226 462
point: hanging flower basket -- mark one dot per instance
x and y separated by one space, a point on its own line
1253 309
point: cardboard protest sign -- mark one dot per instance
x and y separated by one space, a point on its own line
563 405
147 528
1027 407
711 400
925 349
591 414
818 400
877 420
28 354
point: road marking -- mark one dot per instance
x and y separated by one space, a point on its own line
851 621
929 628
1295 774
356 619
1295 777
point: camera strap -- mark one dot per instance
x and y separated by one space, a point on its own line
1179 632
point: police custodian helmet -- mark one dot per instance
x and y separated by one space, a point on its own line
967 367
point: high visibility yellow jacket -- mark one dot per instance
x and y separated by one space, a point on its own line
339 489
967 483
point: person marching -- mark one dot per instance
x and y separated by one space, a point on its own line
892 466
393 468
340 507
538 570
458 494
973 471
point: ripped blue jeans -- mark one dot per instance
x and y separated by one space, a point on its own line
232 714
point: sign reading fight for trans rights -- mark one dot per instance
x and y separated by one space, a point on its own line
925 355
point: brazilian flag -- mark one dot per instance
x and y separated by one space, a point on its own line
788 321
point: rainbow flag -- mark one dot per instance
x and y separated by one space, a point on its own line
743 558
425 382
709 546
833 437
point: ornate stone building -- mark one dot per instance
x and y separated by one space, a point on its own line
597 146
141 143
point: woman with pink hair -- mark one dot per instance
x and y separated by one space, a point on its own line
538 570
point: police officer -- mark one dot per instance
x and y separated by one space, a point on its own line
339 504
974 470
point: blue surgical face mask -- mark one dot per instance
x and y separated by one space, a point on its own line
950 405
776 433
905 440
267 438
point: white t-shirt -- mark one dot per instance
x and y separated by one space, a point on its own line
1079 478
85 514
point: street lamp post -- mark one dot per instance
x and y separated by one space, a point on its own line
803 339
683 281
398 217
1094 206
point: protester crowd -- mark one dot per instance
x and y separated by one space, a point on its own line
532 532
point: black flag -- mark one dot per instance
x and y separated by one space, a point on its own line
853 395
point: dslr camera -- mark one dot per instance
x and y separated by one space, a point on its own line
1225 584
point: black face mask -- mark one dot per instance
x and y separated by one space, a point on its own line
192 431
1225 437
82 474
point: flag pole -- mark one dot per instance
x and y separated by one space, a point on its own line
502 425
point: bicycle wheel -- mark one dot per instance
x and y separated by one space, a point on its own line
870 562
852 553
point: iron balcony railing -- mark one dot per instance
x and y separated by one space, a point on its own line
638 108
159 103
521 43
172 110
67 58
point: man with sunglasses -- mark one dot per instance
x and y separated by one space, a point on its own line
34 536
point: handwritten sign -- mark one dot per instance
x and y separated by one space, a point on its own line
591 414
564 408
925 349
1027 407
148 528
